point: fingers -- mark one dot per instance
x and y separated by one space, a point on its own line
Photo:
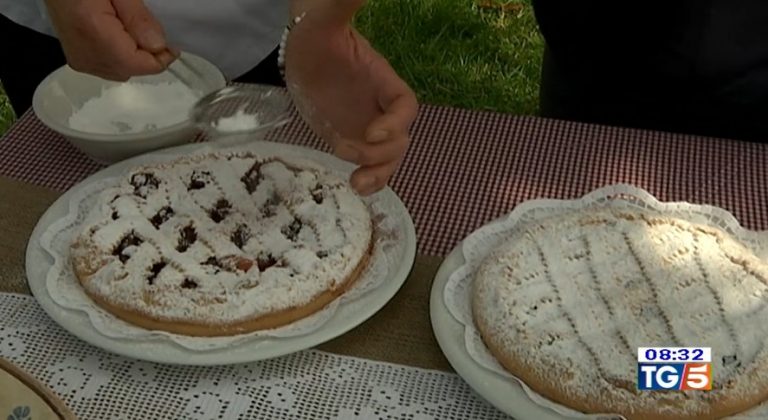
112 39
166 57
141 25
347 151
145 51
372 154
369 179
396 99
378 161
395 122
175 52
388 151
127 59
386 138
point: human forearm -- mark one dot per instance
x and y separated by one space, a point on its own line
325 7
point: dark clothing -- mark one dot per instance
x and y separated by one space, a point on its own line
29 56
691 66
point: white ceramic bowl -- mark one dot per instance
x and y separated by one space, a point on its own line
64 91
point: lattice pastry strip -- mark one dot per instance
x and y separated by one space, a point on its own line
565 304
223 244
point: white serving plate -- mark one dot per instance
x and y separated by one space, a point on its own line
349 314
498 390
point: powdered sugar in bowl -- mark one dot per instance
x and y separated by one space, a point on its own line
242 112
111 121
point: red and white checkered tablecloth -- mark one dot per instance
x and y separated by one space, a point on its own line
465 168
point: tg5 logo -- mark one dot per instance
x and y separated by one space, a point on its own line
674 376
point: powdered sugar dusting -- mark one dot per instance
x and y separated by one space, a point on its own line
239 121
189 226
579 293
133 107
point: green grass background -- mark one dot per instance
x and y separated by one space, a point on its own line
451 52
6 113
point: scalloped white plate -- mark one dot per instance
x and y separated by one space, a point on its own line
506 395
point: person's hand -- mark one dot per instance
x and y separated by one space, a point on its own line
112 39
347 92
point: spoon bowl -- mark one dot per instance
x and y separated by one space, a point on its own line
242 109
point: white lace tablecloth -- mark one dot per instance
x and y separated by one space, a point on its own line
306 385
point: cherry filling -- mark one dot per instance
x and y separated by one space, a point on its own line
292 231
161 217
154 271
212 261
731 360
317 194
189 284
220 210
229 264
243 264
252 178
187 237
241 235
143 183
129 240
215 263
264 261
269 208
199 179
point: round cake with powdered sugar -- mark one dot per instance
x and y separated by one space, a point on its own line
565 303
223 244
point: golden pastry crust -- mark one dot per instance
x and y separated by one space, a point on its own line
263 322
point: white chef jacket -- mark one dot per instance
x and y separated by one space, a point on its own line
233 34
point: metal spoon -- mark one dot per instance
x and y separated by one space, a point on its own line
235 109
201 83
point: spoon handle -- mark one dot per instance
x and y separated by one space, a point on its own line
181 78
185 62
201 81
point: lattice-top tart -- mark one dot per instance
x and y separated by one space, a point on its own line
222 244
565 303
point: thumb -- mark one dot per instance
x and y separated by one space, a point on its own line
335 13
141 25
